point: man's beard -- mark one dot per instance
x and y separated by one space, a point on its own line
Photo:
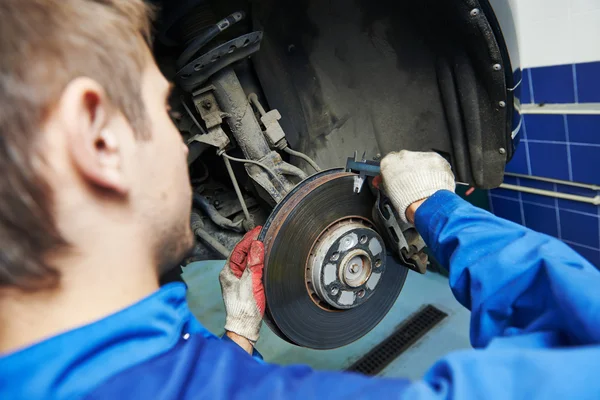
176 243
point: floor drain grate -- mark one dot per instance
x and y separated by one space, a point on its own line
405 336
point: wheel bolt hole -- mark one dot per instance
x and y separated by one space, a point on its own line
378 263
335 256
334 291
361 293
363 239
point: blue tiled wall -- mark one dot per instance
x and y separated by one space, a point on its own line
559 146
565 147
560 44
562 84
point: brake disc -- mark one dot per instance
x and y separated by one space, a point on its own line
328 279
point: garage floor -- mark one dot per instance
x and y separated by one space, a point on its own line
452 333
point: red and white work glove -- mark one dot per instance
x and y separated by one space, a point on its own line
242 288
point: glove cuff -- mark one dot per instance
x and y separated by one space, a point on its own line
242 320
417 186
248 330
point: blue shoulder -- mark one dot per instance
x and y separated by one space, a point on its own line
202 367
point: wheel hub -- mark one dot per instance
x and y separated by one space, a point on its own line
345 264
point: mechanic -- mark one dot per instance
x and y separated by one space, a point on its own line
95 203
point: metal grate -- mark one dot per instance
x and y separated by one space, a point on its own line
405 336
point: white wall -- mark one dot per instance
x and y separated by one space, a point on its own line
554 32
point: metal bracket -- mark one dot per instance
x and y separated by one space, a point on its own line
273 131
209 110
403 238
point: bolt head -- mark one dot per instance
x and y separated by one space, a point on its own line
334 291
497 67
502 104
474 12
502 150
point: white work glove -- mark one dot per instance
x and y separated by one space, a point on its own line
242 288
410 176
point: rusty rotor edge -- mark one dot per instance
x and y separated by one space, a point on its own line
275 221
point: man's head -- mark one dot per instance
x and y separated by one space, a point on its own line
89 156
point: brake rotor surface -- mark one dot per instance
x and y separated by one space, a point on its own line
313 315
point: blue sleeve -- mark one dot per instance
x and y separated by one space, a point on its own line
514 280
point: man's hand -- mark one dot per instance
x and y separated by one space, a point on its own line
242 288
411 177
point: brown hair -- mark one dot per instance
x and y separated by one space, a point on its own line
44 44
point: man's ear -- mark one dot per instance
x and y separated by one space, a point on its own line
94 148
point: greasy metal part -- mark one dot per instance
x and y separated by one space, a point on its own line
308 210
202 68
403 238
198 229
345 264
207 106
209 110
268 170
238 191
241 119
215 216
